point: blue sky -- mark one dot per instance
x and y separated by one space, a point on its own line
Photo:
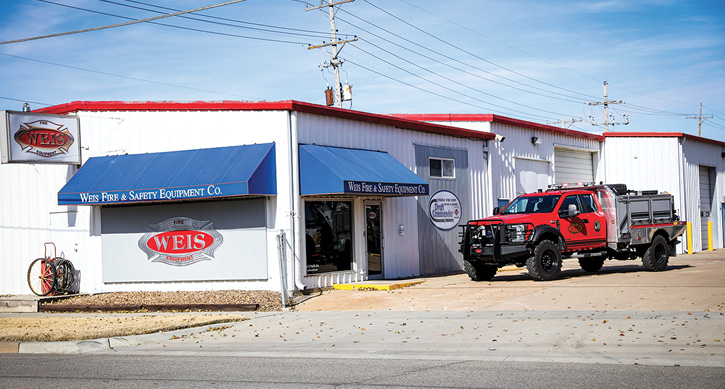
530 60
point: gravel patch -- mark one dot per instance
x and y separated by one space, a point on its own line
267 300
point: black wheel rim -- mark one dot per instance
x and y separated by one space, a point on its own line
548 261
660 254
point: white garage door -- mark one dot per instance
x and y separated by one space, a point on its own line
573 166
531 175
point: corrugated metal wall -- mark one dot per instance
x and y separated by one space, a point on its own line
29 217
401 252
28 193
439 248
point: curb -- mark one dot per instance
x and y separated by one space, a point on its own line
148 307
65 347
381 286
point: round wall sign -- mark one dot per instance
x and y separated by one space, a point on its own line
444 210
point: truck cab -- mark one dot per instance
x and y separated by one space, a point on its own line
576 215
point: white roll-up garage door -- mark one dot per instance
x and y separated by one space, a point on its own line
573 166
531 175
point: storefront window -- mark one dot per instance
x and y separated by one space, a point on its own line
328 236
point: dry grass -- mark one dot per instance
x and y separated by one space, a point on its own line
53 329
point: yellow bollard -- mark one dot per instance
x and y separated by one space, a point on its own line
709 235
689 238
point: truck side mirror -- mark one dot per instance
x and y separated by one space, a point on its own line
496 210
570 212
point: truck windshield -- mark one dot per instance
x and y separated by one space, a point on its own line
532 204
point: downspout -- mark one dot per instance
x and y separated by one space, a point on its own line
294 190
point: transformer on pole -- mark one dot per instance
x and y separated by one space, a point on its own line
340 94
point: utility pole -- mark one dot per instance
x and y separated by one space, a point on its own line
335 62
606 103
564 122
699 120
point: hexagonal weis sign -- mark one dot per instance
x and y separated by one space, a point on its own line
180 241
44 138
29 137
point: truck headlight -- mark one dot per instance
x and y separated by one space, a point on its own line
516 233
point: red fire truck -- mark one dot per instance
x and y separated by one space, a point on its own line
589 222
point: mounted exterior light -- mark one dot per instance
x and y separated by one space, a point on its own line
536 140
500 138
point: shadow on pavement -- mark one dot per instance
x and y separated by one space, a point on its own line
576 273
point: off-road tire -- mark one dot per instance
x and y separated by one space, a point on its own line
592 264
545 264
479 272
657 255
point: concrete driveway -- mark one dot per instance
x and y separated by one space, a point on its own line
691 283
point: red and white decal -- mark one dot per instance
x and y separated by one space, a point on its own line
180 241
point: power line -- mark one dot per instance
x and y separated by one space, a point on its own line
497 41
476 56
119 24
124 77
178 27
314 34
417 87
453 81
460 61
444 56
233 20
642 110
24 101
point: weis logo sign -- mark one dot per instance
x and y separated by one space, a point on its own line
180 241
44 138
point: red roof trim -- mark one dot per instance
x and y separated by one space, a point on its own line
289 105
662 135
465 117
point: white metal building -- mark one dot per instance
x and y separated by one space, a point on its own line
195 196
690 167
526 156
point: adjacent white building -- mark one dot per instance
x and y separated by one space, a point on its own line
690 167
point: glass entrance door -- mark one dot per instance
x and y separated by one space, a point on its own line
374 235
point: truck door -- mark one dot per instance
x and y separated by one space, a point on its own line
587 230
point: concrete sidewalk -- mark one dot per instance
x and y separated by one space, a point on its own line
614 337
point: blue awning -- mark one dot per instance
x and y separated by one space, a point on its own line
177 175
332 170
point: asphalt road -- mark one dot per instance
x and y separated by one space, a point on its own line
164 371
